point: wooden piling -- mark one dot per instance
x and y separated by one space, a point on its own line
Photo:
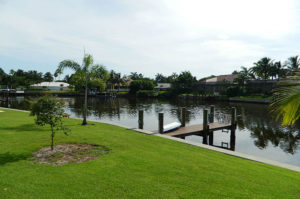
212 114
205 126
233 128
160 122
183 116
233 116
141 119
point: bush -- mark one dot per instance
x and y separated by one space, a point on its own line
233 91
137 85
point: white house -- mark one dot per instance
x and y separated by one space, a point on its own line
162 86
54 86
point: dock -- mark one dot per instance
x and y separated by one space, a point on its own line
197 129
205 130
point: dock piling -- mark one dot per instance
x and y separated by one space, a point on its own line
233 128
141 119
183 116
205 126
212 114
160 122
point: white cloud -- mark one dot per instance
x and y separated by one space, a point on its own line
205 37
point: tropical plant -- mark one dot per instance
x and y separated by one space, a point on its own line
49 111
243 76
86 74
286 100
262 68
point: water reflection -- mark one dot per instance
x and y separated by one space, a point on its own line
257 133
266 130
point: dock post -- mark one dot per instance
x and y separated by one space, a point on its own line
141 119
233 128
205 126
212 114
211 120
160 122
183 116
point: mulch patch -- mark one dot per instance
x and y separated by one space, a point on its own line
69 153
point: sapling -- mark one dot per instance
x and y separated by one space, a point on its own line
49 111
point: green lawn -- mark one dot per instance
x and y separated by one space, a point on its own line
137 166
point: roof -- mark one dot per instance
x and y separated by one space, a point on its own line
51 84
163 85
220 78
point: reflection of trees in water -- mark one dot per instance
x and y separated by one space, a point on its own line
265 129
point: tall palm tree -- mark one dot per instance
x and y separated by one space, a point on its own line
262 68
286 100
87 73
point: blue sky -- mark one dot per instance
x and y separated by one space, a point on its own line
148 36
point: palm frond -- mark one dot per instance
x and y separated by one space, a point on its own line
67 64
286 100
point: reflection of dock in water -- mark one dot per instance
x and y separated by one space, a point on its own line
205 130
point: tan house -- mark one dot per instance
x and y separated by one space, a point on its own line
222 78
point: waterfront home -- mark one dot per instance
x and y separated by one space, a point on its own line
54 86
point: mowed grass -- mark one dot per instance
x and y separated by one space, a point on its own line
137 166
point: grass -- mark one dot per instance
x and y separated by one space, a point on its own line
137 166
256 97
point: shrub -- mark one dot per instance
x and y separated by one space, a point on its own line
137 85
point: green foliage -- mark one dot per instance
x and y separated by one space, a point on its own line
233 91
184 83
49 111
286 100
143 84
139 166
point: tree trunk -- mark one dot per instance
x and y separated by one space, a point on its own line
84 122
52 139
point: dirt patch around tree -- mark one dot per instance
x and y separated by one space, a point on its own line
69 154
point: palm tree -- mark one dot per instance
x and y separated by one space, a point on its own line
286 100
86 73
262 68
243 76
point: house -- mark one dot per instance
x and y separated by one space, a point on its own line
162 86
54 86
222 78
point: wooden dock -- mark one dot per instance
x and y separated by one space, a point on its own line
197 129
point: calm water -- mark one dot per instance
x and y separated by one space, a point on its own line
258 133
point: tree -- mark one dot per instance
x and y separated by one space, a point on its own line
293 63
184 83
262 68
243 76
84 74
136 76
160 78
48 77
49 111
143 84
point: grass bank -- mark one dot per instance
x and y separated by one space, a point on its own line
137 166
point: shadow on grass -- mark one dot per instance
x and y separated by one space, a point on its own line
23 127
10 157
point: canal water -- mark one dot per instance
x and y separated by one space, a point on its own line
258 133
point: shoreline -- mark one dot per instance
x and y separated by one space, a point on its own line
224 151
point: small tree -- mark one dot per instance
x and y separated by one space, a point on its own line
49 111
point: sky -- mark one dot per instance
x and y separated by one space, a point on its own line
148 36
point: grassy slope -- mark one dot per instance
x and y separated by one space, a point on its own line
138 166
